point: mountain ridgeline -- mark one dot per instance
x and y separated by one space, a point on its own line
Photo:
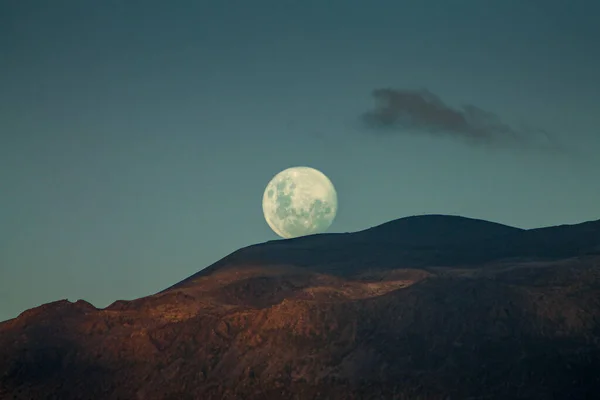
420 241
425 307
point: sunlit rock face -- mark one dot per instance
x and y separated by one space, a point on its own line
429 307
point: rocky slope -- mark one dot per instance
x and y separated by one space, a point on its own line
430 307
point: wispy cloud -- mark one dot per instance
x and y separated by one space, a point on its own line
402 110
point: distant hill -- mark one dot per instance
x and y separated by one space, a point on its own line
425 307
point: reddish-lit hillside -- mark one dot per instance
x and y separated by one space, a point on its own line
430 307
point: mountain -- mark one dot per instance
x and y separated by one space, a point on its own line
425 307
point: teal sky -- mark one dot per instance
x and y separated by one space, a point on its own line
137 137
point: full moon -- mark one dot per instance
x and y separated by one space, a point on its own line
299 201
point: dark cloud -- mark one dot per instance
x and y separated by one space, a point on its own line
422 111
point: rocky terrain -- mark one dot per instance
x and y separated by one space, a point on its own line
428 307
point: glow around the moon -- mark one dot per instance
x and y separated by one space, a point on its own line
299 201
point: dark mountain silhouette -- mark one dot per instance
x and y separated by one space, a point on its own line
426 307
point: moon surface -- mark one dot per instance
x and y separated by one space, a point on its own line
299 201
